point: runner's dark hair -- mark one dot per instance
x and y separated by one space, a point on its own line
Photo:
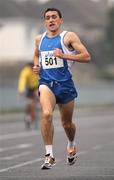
53 9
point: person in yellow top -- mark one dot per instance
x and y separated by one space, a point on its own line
28 87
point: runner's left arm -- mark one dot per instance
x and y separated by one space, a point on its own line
72 40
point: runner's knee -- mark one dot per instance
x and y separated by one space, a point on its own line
47 115
66 125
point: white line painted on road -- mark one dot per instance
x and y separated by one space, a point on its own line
97 147
15 156
82 152
18 135
21 146
23 134
20 165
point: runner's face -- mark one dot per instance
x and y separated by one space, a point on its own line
52 21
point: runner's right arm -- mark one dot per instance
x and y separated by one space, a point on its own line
36 66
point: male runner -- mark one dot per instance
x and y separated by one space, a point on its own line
54 52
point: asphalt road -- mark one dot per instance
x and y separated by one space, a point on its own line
22 152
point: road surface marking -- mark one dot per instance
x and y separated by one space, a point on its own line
82 152
97 147
15 156
21 146
23 134
18 135
21 165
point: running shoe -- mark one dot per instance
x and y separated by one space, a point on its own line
71 155
49 162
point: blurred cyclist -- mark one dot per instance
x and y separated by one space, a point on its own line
28 87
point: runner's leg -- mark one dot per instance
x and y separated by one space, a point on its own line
47 101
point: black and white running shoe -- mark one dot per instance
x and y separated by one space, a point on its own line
49 162
71 155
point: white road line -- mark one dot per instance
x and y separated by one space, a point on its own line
82 152
18 135
23 134
97 147
20 165
21 146
15 156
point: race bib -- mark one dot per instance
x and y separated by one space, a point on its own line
49 61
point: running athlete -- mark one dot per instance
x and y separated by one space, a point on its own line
28 87
54 53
